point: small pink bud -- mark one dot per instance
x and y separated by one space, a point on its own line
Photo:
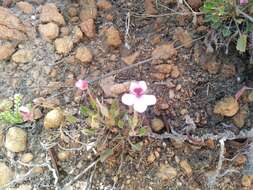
82 84
26 113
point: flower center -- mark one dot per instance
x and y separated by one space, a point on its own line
138 92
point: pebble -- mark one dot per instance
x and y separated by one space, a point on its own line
37 170
88 28
89 10
25 7
165 51
64 31
27 157
63 155
166 172
84 55
151 158
6 174
240 118
212 66
22 56
247 180
63 45
130 59
16 139
175 72
184 37
163 68
240 160
104 4
228 106
77 34
113 37
228 70
157 124
6 50
186 167
50 13
53 119
49 31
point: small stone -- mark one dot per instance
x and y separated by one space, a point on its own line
63 155
151 158
88 28
22 56
27 157
240 160
37 170
186 167
77 34
240 117
184 37
72 12
166 172
25 7
163 68
104 4
63 45
64 31
149 6
84 55
16 139
50 13
89 10
53 119
228 70
247 180
175 72
212 66
6 174
158 76
228 106
130 59
165 51
49 31
113 37
157 124
6 50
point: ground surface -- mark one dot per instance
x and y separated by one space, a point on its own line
199 78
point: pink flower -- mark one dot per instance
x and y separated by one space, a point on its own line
243 2
26 113
82 84
137 97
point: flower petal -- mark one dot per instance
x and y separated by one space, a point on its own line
82 84
148 99
128 99
24 109
138 84
140 106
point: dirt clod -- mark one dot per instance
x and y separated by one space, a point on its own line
113 37
6 50
72 11
165 51
240 160
184 37
195 4
49 31
228 106
89 10
88 28
53 119
22 56
247 180
130 59
164 68
104 4
25 7
50 13
151 158
63 45
27 157
84 55
240 117
63 155
149 6
16 139
175 72
157 124
5 173
166 172
186 167
228 70
77 34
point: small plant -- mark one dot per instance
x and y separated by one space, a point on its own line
230 20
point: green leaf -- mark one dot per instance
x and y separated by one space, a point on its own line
93 103
103 109
114 109
121 124
226 32
71 119
105 154
87 131
85 111
242 43
142 131
137 146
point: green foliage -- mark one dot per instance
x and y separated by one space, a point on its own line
226 19
11 115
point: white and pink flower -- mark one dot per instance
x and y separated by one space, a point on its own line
82 84
26 113
242 2
137 97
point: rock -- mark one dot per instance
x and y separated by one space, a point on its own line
84 55
184 37
228 106
212 65
240 160
165 51
130 59
175 72
72 11
25 7
195 4
247 180
149 6
27 157
77 34
50 13
186 167
151 158
37 170
64 31
16 139
6 174
163 68
89 10
6 50
88 28
166 172
53 119
49 31
240 117
63 45
113 37
158 76
157 124
63 155
22 56
228 70
11 34
104 4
